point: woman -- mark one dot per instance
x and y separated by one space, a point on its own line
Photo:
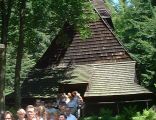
8 116
41 113
21 114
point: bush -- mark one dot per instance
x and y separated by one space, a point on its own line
129 113
105 114
146 115
90 118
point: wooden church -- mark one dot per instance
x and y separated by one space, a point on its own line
100 68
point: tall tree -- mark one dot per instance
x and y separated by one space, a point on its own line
20 48
6 6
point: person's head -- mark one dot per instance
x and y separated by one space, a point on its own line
38 102
8 115
74 93
49 104
62 109
54 104
41 110
48 115
56 116
68 111
30 111
62 117
42 103
21 114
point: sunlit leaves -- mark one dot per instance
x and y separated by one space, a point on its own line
135 25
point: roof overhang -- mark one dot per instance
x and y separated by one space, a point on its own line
114 79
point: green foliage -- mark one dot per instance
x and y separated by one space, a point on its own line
12 110
146 115
129 113
77 13
43 20
91 118
105 114
27 63
135 25
10 69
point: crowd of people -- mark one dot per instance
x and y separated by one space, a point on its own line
65 107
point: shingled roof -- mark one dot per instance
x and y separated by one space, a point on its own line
45 82
110 79
102 46
101 62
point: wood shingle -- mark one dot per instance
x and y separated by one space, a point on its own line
102 46
110 79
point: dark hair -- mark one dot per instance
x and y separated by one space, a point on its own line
63 115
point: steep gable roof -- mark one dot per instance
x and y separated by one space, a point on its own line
102 46
100 60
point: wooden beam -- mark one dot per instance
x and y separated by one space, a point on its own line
131 101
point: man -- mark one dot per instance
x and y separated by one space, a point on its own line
38 102
62 117
51 107
30 111
69 115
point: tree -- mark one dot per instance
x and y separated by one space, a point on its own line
135 25
19 56
6 6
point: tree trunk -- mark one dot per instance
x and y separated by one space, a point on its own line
5 13
2 81
19 56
